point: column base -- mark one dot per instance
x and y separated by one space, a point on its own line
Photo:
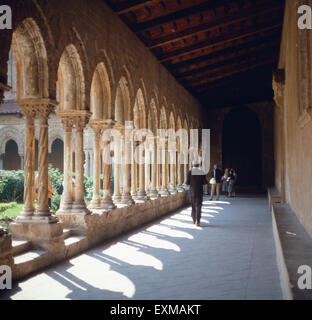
153 195
95 204
117 199
127 200
107 203
80 208
172 189
141 197
164 192
180 188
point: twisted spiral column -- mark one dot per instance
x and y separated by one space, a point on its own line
29 167
43 209
96 199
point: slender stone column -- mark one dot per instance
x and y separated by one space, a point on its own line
79 204
22 162
87 164
134 170
153 194
43 210
172 167
29 208
117 164
180 168
126 196
1 161
67 197
164 175
96 199
107 202
148 171
141 194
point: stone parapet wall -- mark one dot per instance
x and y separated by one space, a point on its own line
90 231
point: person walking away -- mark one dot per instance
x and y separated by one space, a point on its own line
196 179
215 181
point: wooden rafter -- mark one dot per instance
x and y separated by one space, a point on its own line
219 23
220 40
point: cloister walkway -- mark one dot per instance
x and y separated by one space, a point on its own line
231 256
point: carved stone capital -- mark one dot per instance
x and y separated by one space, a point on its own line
33 108
74 118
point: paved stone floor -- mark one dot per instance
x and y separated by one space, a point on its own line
231 256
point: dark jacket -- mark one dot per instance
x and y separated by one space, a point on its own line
196 179
217 174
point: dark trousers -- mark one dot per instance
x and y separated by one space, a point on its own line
196 209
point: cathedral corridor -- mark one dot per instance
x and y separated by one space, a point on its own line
231 256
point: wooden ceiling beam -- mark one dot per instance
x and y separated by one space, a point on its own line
132 5
263 73
220 40
272 51
272 37
196 9
218 23
219 75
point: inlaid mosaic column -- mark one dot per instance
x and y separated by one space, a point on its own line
29 169
96 198
107 201
43 210
81 119
117 164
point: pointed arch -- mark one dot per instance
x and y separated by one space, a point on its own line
31 61
139 111
100 97
71 81
122 102
153 117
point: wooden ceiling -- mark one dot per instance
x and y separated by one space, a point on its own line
222 51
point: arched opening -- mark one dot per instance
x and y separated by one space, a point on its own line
100 94
11 159
122 102
71 84
31 59
242 147
57 154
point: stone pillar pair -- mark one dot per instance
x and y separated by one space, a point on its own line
32 109
122 160
153 194
37 224
99 203
164 167
73 189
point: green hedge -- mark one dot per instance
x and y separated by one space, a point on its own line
12 189
6 206
12 186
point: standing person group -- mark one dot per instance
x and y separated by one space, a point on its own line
224 182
